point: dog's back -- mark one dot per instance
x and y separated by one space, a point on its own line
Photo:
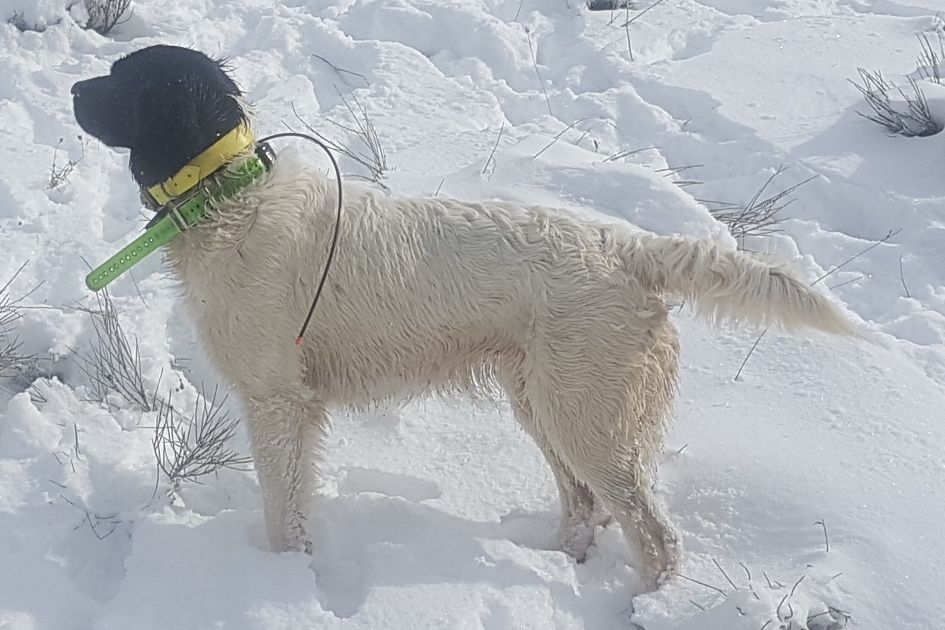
427 293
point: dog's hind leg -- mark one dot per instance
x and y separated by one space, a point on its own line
581 511
287 429
603 400
615 471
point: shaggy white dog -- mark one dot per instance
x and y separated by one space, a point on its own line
567 317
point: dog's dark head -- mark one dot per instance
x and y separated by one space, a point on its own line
165 103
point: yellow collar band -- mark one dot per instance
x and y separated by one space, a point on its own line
230 145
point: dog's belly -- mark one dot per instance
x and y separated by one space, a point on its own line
363 371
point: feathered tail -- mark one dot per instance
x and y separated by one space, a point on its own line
732 285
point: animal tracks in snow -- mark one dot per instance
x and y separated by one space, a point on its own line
368 480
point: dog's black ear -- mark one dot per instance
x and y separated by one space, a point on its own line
180 119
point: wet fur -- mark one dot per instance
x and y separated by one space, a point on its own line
564 316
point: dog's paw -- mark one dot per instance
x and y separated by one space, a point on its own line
294 538
575 539
576 535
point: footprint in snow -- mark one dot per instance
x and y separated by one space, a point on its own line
362 480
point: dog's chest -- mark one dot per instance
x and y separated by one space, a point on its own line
236 308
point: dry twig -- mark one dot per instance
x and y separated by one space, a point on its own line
823 524
724 574
695 581
541 81
491 158
341 72
902 279
785 598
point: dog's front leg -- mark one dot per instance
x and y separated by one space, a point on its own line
287 430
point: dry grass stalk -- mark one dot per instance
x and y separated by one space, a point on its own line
60 173
12 360
113 363
371 157
760 216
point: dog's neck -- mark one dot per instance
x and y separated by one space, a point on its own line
183 201
228 234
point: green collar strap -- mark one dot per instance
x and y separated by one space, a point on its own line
180 215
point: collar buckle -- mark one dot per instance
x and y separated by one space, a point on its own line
172 208
174 212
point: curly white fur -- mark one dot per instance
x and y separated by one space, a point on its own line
564 315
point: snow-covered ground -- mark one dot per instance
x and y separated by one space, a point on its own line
441 513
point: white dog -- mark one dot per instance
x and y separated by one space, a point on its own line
566 316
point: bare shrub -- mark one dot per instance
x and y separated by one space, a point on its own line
112 363
760 216
10 356
60 173
912 116
12 360
370 155
104 15
914 119
188 447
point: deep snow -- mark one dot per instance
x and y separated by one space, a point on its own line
440 513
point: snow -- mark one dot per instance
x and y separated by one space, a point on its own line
441 513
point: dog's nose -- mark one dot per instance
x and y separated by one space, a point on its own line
76 88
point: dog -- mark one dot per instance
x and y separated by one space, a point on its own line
567 317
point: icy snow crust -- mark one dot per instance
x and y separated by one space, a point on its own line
441 513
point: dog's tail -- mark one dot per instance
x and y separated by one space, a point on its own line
732 285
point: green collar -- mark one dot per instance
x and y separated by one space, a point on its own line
180 215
